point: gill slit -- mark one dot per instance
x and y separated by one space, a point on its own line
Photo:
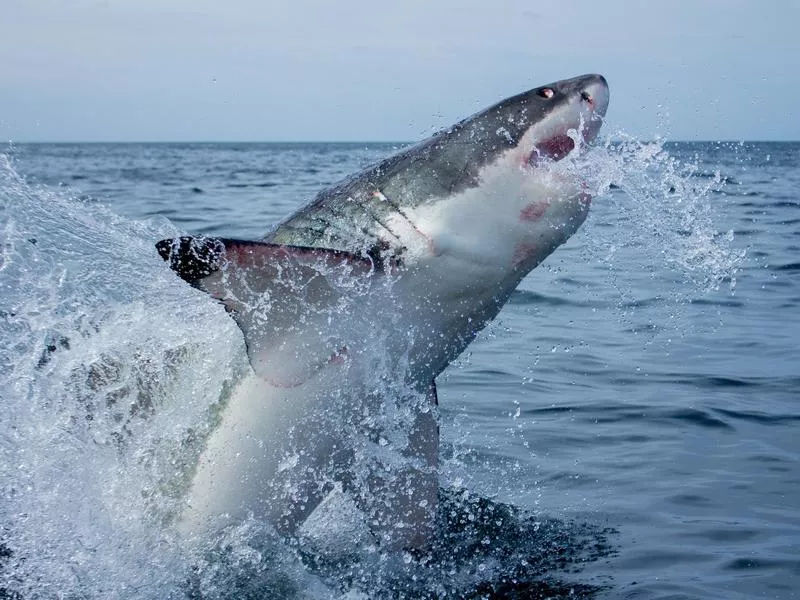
377 193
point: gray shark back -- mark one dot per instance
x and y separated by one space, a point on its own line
354 215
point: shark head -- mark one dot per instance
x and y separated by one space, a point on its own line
542 124
485 191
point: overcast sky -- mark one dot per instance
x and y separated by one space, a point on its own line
160 70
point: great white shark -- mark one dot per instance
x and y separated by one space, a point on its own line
394 271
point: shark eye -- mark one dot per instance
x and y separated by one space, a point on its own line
546 93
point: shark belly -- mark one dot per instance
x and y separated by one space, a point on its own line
279 450
248 469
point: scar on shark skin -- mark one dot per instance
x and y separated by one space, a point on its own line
534 212
522 252
339 357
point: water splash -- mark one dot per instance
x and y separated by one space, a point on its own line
662 208
110 373
105 372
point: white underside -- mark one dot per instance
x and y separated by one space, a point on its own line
279 451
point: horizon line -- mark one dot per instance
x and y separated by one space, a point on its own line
354 142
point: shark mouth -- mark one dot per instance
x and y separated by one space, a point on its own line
552 149
558 146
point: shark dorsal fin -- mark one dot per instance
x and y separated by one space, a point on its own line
287 300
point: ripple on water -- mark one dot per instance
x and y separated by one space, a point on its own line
759 417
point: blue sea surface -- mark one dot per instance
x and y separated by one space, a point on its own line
629 426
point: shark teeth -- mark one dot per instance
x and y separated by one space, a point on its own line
554 148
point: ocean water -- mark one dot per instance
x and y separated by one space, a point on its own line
629 426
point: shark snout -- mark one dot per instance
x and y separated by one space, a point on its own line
589 94
594 94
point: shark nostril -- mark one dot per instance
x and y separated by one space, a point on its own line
586 96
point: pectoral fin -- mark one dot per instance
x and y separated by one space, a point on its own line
287 300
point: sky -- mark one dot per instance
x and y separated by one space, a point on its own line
362 70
